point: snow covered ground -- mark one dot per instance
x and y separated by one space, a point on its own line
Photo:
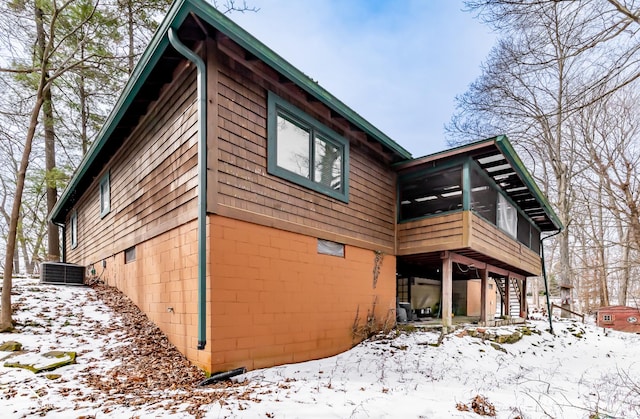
125 368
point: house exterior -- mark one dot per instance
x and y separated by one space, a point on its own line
257 220
622 318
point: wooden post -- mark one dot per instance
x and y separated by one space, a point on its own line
506 302
523 299
447 290
484 296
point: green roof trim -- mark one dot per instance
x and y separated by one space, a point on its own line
176 15
509 153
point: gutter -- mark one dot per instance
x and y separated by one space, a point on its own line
544 275
202 182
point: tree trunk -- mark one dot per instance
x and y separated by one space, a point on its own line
130 29
53 237
6 319
16 261
626 270
602 257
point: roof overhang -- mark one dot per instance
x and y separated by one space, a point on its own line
154 68
497 158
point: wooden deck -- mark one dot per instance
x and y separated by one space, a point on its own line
470 235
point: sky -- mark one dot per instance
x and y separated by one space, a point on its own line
399 65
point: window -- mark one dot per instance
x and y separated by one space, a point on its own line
105 195
507 216
483 195
304 151
431 193
606 318
326 247
130 255
74 229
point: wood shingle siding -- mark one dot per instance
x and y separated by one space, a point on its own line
153 178
246 191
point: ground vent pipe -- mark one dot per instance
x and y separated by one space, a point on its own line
202 182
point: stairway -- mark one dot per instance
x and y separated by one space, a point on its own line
514 296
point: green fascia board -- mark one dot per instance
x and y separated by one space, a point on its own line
176 15
216 19
452 150
143 68
507 150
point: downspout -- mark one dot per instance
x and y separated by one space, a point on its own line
544 275
202 182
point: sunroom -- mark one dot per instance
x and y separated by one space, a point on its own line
470 222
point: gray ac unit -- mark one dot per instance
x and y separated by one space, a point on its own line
61 273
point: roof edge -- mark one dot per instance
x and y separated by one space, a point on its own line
159 42
504 145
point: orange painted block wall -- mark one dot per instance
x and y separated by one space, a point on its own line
162 281
271 298
276 300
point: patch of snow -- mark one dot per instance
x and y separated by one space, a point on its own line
580 371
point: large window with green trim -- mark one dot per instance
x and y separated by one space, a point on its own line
304 151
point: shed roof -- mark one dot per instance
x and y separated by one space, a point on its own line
617 308
497 158
154 69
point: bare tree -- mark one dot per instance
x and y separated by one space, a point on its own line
44 76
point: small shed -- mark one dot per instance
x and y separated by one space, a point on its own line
622 318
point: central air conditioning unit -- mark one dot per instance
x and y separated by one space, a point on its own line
61 273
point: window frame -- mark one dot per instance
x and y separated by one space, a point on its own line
330 248
105 194
317 131
129 255
73 229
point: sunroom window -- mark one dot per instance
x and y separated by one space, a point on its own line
507 216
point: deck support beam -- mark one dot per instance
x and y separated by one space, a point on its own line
447 291
507 302
523 298
484 296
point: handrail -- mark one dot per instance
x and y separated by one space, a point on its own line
575 313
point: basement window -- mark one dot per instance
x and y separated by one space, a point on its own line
105 195
326 247
130 255
304 151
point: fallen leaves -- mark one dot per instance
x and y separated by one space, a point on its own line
151 371
479 405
